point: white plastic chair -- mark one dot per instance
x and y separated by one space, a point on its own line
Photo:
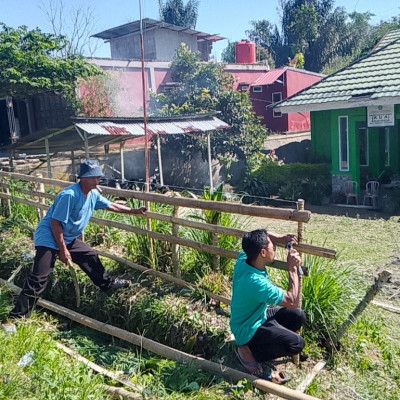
350 190
371 193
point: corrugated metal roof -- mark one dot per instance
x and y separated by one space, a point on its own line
134 27
161 128
269 77
374 77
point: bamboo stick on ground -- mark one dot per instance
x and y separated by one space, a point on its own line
170 353
97 368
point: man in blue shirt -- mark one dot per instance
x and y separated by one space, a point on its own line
57 236
263 333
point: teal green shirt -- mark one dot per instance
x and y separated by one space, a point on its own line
252 292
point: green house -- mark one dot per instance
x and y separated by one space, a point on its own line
355 116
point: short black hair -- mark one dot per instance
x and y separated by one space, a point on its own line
253 242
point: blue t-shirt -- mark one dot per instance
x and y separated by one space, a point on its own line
252 292
74 210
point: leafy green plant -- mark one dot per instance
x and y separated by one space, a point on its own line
328 292
201 262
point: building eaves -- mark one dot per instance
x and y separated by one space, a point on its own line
134 28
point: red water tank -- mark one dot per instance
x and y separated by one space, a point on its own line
246 52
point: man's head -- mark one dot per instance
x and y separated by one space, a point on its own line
256 243
90 169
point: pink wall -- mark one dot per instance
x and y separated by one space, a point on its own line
294 81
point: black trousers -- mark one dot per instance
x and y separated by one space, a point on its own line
43 265
277 336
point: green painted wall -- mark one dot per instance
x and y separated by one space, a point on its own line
321 146
325 143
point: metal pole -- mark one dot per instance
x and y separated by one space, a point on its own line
160 161
146 138
209 162
121 153
46 143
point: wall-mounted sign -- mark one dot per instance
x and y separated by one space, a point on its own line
379 116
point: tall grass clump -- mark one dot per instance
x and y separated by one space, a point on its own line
142 249
328 295
199 262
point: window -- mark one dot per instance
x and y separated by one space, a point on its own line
244 88
276 98
363 138
387 147
257 89
343 144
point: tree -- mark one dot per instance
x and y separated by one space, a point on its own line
323 34
28 64
204 88
76 24
176 13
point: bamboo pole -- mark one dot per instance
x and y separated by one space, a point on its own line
118 392
76 284
100 370
164 276
168 352
175 247
386 306
307 381
226 207
380 280
305 248
300 232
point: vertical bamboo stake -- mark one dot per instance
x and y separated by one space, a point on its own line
300 232
39 187
8 210
176 263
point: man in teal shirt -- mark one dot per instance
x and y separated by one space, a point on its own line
263 333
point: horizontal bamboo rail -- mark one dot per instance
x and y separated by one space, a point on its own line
168 352
164 276
304 248
234 208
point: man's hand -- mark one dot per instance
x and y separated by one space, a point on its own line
140 210
293 260
64 255
290 238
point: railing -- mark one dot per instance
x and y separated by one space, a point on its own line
299 216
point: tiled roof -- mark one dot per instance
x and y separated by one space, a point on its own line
374 77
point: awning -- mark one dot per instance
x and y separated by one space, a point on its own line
269 77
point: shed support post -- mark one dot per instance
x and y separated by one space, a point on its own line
209 162
160 169
46 143
121 153
86 146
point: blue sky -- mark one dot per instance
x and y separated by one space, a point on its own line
228 18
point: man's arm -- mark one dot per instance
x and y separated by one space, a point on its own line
292 296
120 208
282 239
57 230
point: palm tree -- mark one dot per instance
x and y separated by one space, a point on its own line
176 13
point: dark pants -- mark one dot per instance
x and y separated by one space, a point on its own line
277 336
43 265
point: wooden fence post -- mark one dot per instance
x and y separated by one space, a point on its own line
39 187
300 232
176 264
